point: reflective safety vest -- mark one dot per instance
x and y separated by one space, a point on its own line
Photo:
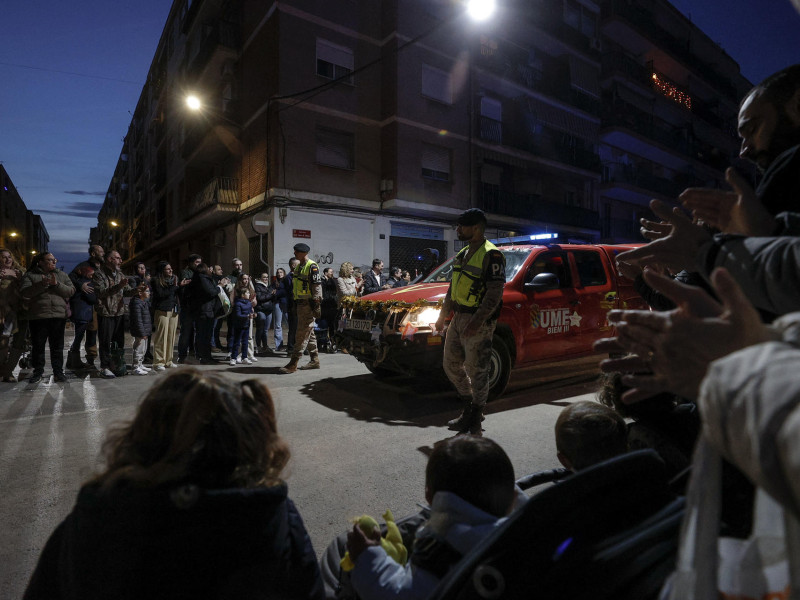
468 286
301 284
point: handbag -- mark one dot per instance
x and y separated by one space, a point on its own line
222 304
764 566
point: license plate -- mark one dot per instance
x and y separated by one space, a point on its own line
359 324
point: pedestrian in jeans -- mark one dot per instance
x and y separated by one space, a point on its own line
141 327
241 315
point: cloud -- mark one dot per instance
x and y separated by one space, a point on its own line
84 193
83 210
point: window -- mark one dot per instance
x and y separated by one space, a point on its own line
435 162
437 84
590 268
552 262
334 61
336 149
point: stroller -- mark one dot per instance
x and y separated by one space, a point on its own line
608 532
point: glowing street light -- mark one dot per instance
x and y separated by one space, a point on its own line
113 223
193 102
13 234
480 10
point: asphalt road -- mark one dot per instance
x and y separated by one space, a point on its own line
359 444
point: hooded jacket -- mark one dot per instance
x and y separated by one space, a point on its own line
178 543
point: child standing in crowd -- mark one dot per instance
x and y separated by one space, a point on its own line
241 316
81 305
141 327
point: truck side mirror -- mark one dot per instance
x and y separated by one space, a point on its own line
543 282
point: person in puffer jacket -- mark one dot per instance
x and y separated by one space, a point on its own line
47 291
141 324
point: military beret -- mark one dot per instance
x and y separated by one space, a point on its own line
473 216
301 247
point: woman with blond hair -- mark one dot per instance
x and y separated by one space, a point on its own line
191 504
347 284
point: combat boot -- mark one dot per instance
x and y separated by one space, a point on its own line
463 419
469 421
292 366
312 364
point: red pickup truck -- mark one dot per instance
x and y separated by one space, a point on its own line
555 302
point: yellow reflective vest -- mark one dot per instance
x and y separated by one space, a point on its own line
301 280
468 286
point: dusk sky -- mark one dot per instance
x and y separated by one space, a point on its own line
72 73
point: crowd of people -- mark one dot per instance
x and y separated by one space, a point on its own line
172 317
710 364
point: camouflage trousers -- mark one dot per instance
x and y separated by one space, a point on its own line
305 330
466 359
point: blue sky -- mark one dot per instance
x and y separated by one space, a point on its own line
72 71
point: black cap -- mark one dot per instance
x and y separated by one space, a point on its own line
470 217
301 247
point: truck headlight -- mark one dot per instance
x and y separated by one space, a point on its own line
424 317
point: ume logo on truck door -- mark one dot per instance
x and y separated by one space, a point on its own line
554 320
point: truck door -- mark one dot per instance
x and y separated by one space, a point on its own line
596 295
547 330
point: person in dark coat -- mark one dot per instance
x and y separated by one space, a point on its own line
190 505
141 324
82 308
291 305
94 262
201 297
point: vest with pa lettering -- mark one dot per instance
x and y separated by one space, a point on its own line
468 285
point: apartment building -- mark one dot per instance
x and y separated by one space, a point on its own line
364 127
21 230
670 104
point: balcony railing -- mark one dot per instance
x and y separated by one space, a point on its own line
532 207
218 191
221 33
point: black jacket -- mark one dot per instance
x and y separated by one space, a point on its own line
372 283
178 543
165 297
264 297
200 296
141 322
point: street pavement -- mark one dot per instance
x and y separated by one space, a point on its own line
359 444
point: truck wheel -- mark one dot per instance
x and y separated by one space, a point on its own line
378 371
499 367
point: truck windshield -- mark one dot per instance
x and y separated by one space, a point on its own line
515 257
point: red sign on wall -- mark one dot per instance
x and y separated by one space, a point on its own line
301 233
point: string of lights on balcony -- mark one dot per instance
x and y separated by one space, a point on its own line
671 91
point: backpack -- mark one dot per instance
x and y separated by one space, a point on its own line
608 532
118 365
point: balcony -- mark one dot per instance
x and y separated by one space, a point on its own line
548 144
219 192
630 175
533 208
644 21
220 42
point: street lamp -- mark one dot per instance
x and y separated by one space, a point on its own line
480 10
193 102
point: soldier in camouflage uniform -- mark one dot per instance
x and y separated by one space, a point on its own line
475 296
307 293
